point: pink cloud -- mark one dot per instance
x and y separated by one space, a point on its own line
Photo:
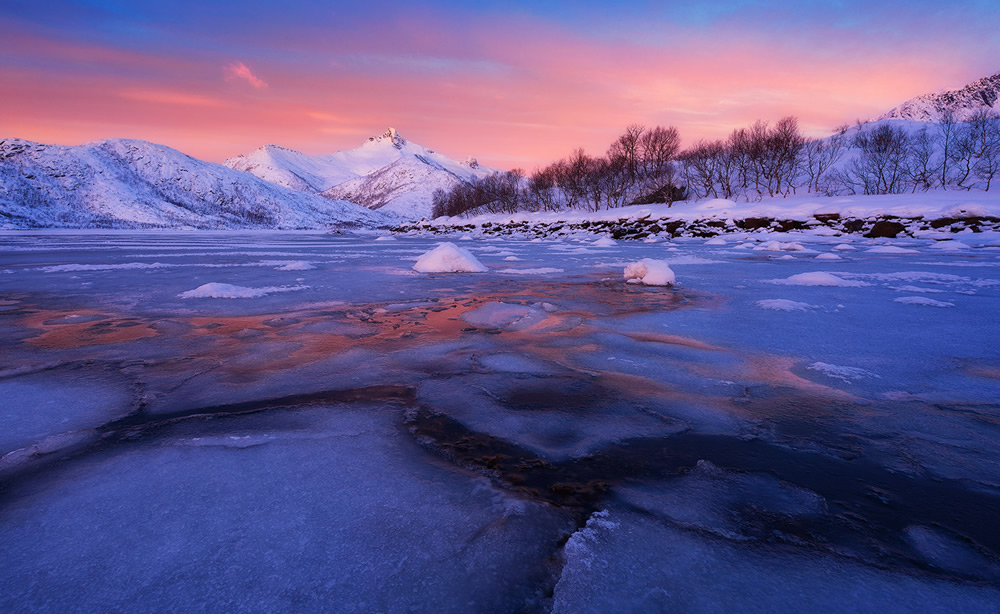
239 70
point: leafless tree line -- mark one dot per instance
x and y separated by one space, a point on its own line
639 166
646 165
764 160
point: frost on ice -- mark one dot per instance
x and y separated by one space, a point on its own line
923 300
449 258
783 304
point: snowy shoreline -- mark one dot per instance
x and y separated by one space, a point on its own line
926 215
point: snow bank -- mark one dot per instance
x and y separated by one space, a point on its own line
449 258
217 290
818 279
649 272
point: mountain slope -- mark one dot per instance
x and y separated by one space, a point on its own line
962 102
386 172
135 184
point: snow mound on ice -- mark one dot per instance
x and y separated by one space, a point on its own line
449 258
300 265
604 242
818 278
890 249
783 304
923 300
218 290
950 246
649 272
385 238
779 246
828 257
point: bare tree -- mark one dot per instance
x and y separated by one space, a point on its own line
947 135
880 167
924 164
985 125
820 155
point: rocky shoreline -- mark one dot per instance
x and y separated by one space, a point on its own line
644 228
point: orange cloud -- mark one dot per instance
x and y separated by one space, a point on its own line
239 70
162 96
511 93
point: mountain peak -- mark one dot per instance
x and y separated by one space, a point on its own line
390 135
961 102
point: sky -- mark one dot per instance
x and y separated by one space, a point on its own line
515 84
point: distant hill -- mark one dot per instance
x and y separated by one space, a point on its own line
962 102
120 183
386 173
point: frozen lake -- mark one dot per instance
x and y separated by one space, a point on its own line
300 422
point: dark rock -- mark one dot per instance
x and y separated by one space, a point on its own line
885 229
754 223
854 225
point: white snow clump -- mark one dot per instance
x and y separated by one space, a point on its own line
448 258
818 279
218 290
649 272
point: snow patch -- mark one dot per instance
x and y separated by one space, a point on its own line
846 374
923 300
448 258
890 249
220 290
649 272
818 278
782 304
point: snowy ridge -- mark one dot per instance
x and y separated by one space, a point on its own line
386 171
962 102
122 183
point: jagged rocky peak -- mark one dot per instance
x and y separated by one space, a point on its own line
961 102
471 162
391 135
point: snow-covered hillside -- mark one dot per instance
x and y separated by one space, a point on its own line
387 171
962 102
119 183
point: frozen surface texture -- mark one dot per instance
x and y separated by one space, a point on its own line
776 433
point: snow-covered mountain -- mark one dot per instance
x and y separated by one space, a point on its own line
387 172
120 183
962 102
